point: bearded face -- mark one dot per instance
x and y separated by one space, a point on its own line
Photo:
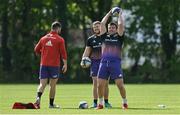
96 28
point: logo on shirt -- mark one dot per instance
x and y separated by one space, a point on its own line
111 40
49 43
94 41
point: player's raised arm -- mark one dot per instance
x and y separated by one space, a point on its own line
103 23
120 29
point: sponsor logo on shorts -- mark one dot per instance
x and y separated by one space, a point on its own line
120 75
54 76
91 73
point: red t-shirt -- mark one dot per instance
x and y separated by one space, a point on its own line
52 48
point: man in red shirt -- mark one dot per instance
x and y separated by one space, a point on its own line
51 47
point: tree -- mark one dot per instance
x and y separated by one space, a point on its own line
90 10
157 22
6 54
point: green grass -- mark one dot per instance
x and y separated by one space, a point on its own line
143 99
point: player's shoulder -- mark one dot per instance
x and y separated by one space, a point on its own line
60 38
44 37
92 37
56 36
48 35
104 34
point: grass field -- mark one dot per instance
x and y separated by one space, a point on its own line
143 99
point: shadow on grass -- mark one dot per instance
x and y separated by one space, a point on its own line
70 108
142 108
131 108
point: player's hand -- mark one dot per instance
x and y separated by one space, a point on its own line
82 64
120 12
64 68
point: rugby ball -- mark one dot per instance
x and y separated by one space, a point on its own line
85 62
115 10
83 105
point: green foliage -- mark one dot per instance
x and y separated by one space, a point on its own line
76 74
156 21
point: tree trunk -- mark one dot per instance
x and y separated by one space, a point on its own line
61 14
6 54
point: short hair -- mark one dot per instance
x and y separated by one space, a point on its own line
55 25
96 22
112 23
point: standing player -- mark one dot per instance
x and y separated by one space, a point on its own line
111 58
51 47
93 49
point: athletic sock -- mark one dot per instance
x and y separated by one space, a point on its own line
105 100
95 101
38 98
51 101
101 101
124 100
39 94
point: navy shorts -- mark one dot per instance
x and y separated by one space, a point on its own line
49 72
110 68
94 67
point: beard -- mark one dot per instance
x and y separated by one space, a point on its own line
98 32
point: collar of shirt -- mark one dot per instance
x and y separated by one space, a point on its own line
53 32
